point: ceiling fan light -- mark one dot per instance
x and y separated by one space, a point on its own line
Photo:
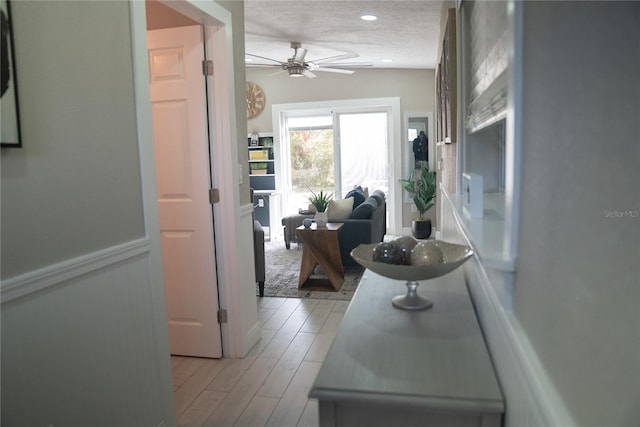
296 72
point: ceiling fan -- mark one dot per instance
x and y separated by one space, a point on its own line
297 67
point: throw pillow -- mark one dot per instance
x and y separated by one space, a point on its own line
380 197
365 209
340 209
358 196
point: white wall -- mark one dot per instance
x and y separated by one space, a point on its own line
236 8
567 347
81 341
578 276
416 89
74 187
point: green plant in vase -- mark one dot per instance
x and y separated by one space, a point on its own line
268 144
320 201
422 189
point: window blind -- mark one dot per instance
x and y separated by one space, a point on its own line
487 55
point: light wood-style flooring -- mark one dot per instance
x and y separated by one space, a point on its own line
269 387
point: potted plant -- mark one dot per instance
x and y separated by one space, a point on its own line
258 168
422 189
320 201
268 144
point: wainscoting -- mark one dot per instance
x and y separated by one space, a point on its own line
531 400
79 343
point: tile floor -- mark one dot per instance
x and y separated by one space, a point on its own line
269 386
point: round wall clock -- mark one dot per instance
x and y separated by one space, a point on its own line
255 100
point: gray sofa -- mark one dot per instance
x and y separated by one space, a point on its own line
367 224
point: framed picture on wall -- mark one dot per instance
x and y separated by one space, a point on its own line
439 131
10 112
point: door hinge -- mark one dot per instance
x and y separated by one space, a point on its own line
207 67
214 195
222 316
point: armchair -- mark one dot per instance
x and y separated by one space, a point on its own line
258 253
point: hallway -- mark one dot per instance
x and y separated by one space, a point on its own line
269 386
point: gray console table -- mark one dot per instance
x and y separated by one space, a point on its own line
390 367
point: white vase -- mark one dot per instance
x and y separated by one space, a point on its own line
321 219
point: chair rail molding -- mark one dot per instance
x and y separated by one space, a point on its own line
55 274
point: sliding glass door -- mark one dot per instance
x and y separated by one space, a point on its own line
333 151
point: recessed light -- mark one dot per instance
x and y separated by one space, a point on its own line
387 60
368 17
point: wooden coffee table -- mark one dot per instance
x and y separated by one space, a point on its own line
321 247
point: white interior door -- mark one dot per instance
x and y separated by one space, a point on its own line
178 100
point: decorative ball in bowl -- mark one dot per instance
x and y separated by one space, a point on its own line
422 260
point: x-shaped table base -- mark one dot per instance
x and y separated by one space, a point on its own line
321 248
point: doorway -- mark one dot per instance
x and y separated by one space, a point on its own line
333 152
233 221
414 123
242 330
360 142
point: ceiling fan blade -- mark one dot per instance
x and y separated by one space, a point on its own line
348 64
263 57
309 74
334 58
334 70
253 65
299 56
262 68
277 72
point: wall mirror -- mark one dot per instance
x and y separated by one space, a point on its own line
415 150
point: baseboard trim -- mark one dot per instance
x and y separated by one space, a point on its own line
254 335
37 280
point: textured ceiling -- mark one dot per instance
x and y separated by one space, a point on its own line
406 31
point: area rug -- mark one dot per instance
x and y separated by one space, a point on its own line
283 270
